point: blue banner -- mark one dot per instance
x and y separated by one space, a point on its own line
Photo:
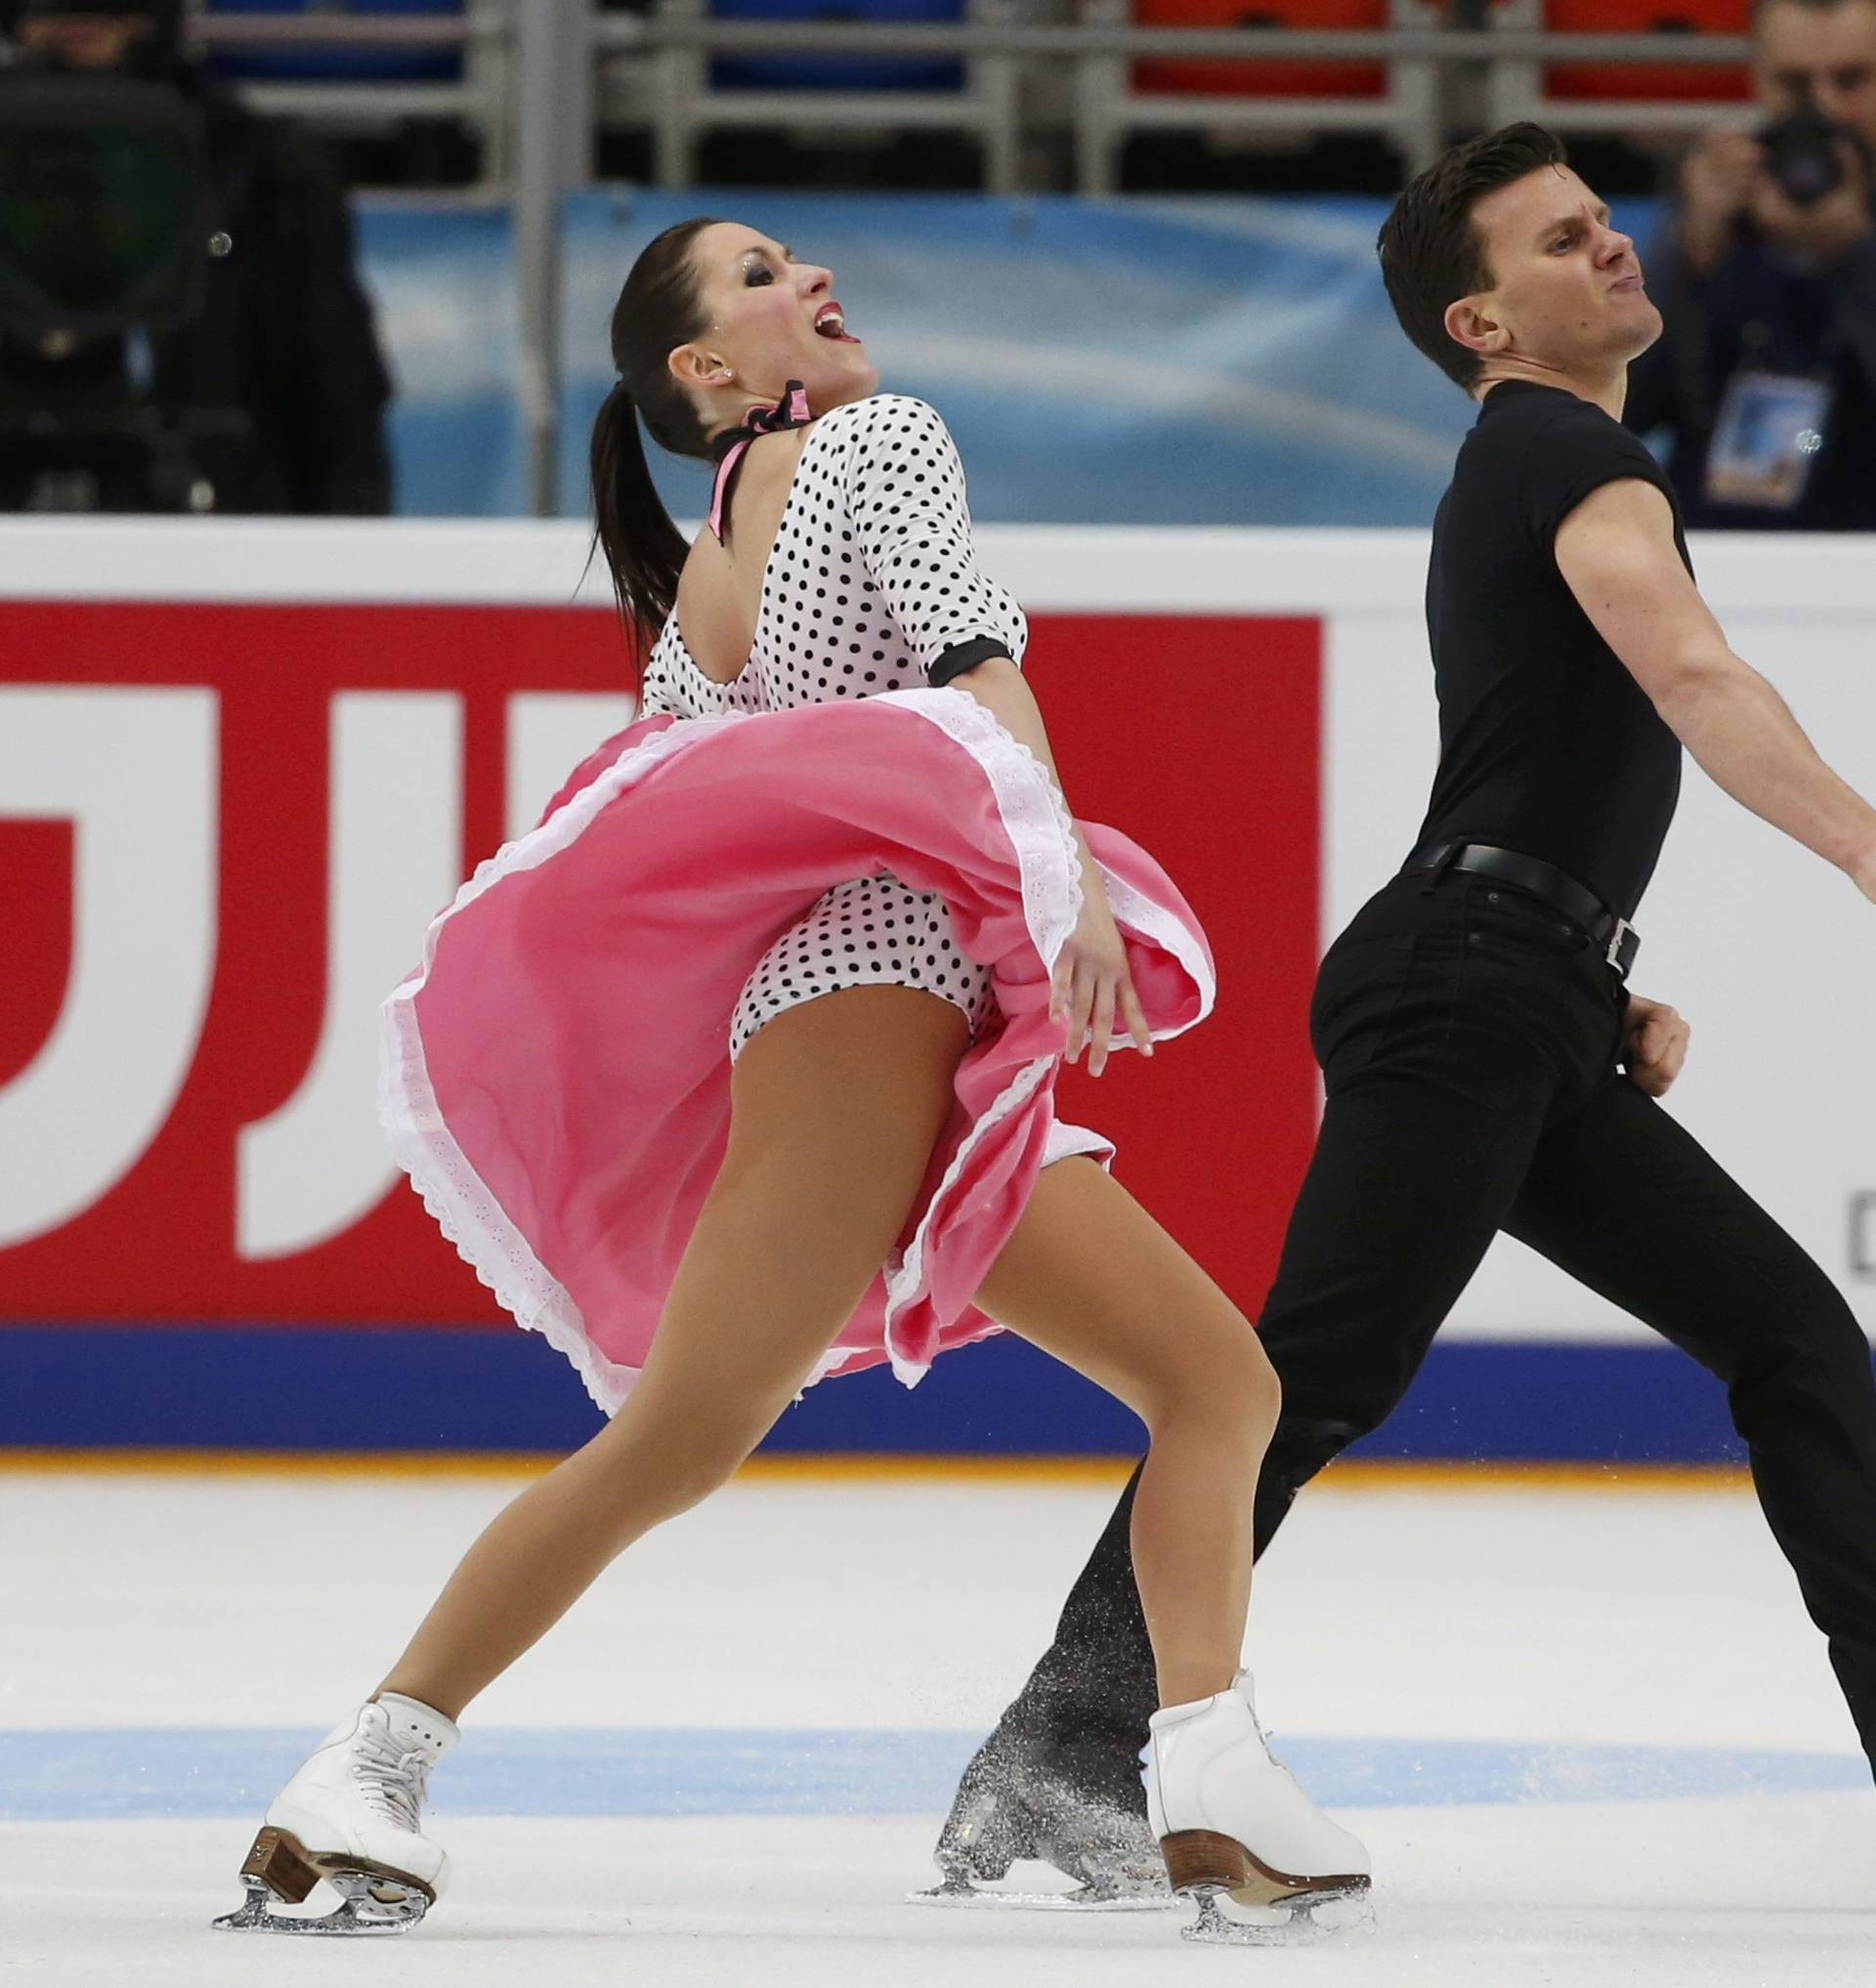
1203 360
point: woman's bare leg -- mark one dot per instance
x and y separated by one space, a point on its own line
1089 1277
836 1107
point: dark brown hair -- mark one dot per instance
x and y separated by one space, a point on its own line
1761 8
658 309
1430 253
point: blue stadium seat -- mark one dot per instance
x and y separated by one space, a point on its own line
837 72
338 64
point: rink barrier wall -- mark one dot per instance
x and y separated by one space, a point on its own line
261 1387
242 762
1456 1476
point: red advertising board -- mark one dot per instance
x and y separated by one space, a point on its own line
228 821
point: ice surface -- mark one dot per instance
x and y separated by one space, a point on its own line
1590 1736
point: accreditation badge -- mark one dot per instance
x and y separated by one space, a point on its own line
1770 429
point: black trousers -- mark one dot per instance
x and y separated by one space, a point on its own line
1468 1039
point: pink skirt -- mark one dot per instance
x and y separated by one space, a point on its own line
556 1075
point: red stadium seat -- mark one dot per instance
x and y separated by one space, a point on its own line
1648 82
1313 77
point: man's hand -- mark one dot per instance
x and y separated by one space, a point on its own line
1657 1040
1717 180
1864 875
1828 229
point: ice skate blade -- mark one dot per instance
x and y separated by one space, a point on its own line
960 1893
1225 1922
361 1913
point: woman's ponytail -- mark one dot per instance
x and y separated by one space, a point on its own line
658 310
644 550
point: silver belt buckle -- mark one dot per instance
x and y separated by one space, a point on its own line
1613 956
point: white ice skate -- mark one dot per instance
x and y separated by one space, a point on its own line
351 1815
1234 1826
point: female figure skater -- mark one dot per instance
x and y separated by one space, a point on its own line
737 1071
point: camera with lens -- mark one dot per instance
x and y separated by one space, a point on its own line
1804 153
106 233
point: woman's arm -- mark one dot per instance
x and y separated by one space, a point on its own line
998 685
1091 984
905 494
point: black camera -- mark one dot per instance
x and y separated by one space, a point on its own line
103 205
1804 153
106 231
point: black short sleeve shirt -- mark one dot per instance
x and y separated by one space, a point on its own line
1548 744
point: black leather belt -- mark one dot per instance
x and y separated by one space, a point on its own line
1618 939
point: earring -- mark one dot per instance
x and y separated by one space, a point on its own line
724 373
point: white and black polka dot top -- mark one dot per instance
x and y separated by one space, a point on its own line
871 585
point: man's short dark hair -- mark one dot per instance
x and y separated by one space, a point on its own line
1761 8
1430 253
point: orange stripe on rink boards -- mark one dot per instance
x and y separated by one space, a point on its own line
1354 1475
433 1463
1362 1473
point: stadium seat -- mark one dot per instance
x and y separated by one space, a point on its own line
1286 99
1640 98
838 72
683 94
1641 81
271 64
1312 78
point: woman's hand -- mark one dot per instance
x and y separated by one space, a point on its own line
1092 983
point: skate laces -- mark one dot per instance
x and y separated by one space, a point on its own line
1270 1753
1277 1760
391 1778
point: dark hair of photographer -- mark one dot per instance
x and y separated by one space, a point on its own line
273 395
141 37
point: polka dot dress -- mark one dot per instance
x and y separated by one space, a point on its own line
873 932
871 579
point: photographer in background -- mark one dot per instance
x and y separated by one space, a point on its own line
1766 277
180 326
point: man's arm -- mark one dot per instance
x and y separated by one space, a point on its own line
1617 555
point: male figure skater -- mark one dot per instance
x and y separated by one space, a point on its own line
1486 1066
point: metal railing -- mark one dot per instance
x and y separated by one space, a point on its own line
481 33
519 103
627 32
535 96
1068 43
